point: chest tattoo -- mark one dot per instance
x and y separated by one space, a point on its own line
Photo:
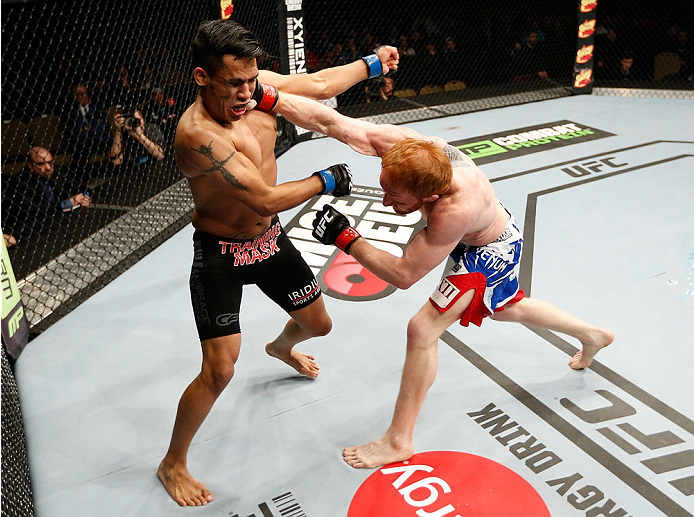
456 156
219 165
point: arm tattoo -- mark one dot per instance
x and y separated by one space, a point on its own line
456 156
218 165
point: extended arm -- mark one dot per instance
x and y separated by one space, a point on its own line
330 81
426 250
364 137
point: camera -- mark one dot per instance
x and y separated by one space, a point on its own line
130 119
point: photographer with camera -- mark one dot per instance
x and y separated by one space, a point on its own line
133 122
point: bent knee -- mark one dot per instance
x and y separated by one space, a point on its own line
217 377
317 327
417 334
322 327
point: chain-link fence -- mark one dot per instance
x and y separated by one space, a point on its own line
16 483
645 45
453 56
92 91
71 69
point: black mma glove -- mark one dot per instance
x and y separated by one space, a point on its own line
265 96
337 180
331 227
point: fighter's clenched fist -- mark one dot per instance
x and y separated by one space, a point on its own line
331 227
337 180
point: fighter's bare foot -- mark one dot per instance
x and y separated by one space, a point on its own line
182 487
377 453
583 358
302 363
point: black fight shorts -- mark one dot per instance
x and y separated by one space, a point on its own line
222 266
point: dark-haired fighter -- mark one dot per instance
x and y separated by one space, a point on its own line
464 221
225 148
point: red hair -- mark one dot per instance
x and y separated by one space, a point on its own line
419 166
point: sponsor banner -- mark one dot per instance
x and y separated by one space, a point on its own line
292 37
224 8
526 140
15 328
583 59
292 52
339 274
546 465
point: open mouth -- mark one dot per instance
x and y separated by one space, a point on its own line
239 110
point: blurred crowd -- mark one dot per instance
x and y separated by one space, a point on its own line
436 51
90 136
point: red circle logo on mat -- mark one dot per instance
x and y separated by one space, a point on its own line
446 484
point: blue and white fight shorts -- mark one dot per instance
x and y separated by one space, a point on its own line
491 270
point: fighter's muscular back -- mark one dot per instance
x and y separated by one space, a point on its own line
248 142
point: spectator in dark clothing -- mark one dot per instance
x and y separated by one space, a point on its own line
120 88
367 45
528 59
430 49
404 48
163 112
607 48
416 42
685 50
351 52
449 46
88 127
540 36
323 45
34 193
340 58
329 58
427 67
451 62
623 70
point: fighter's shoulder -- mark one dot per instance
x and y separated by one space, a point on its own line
457 157
195 129
198 145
